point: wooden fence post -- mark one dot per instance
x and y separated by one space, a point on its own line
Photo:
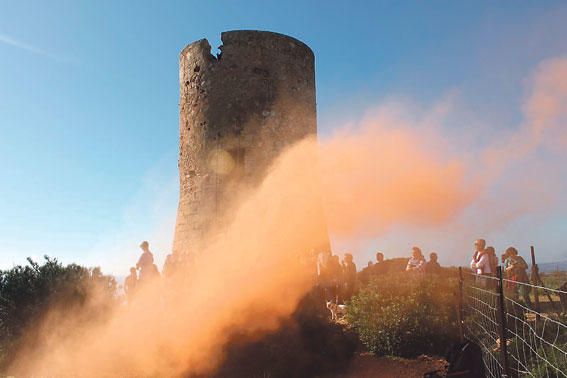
535 281
502 328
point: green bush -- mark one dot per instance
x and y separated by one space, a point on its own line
28 292
405 314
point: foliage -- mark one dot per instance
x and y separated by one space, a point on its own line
406 314
540 345
554 362
28 292
554 280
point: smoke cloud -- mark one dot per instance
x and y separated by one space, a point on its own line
390 170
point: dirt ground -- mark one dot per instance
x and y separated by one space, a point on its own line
365 365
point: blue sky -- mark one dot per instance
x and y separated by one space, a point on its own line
89 94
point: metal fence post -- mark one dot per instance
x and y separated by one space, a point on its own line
460 306
502 328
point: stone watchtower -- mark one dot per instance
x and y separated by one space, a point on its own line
238 111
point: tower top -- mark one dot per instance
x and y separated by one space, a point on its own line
255 39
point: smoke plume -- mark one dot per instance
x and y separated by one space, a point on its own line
388 170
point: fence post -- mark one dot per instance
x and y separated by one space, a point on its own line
502 328
534 281
460 306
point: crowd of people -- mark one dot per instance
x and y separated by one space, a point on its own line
417 262
339 280
484 264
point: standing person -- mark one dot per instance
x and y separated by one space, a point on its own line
146 262
517 268
510 284
416 262
486 266
170 266
380 267
154 272
349 272
323 273
365 273
130 284
335 277
432 266
493 260
479 246
323 259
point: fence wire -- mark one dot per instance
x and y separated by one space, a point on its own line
480 310
536 341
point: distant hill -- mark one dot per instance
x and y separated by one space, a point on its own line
553 266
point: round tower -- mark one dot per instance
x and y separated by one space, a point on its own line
237 112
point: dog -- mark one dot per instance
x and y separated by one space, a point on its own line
336 310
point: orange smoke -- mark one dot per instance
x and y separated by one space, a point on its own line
257 270
253 273
546 107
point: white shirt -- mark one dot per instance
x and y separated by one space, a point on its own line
473 263
483 265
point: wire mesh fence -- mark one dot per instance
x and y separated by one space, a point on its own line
519 336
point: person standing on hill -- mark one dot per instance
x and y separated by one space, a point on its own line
380 267
323 258
516 269
336 277
146 262
324 273
510 289
130 284
416 263
479 246
349 272
432 266
486 266
366 272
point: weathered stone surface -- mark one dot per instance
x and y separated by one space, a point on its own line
238 111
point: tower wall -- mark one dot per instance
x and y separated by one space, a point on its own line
238 111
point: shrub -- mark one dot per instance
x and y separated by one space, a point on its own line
28 292
404 314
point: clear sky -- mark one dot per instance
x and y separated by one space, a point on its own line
89 94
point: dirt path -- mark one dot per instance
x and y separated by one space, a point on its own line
365 365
